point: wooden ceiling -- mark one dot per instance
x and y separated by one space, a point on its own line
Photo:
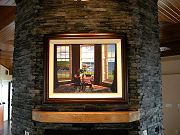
7 26
6 45
169 11
169 19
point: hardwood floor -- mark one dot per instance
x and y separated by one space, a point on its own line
6 128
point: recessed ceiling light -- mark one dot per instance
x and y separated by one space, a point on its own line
163 49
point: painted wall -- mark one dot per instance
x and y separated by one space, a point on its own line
5 78
171 94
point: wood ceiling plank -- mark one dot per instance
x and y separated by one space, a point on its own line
7 35
7 32
175 9
7 15
172 10
164 17
169 9
175 3
6 45
169 32
169 14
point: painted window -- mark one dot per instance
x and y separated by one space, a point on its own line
87 59
63 63
108 63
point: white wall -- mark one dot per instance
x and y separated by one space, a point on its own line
4 80
171 94
3 75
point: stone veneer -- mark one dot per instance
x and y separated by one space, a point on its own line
136 18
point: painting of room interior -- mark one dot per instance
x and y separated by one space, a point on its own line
85 68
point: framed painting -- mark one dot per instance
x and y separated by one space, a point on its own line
85 68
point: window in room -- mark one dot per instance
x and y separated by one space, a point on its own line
108 63
63 63
87 59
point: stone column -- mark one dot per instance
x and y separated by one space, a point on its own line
137 19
